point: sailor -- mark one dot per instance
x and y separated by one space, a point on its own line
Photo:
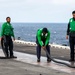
42 40
71 34
6 34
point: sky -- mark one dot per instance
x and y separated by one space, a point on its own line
37 11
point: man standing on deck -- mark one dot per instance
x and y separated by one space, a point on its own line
71 33
42 40
6 34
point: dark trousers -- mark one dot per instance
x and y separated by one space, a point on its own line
8 43
38 48
72 43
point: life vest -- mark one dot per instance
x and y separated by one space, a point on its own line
72 25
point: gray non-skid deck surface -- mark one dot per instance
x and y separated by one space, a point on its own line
55 52
12 67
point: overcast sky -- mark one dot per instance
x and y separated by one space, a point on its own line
50 11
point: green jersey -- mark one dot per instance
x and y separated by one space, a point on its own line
41 37
72 25
7 29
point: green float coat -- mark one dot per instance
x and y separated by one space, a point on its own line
72 25
7 29
41 37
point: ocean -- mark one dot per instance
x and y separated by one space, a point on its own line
27 31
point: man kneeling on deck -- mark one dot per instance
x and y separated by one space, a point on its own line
42 40
6 33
